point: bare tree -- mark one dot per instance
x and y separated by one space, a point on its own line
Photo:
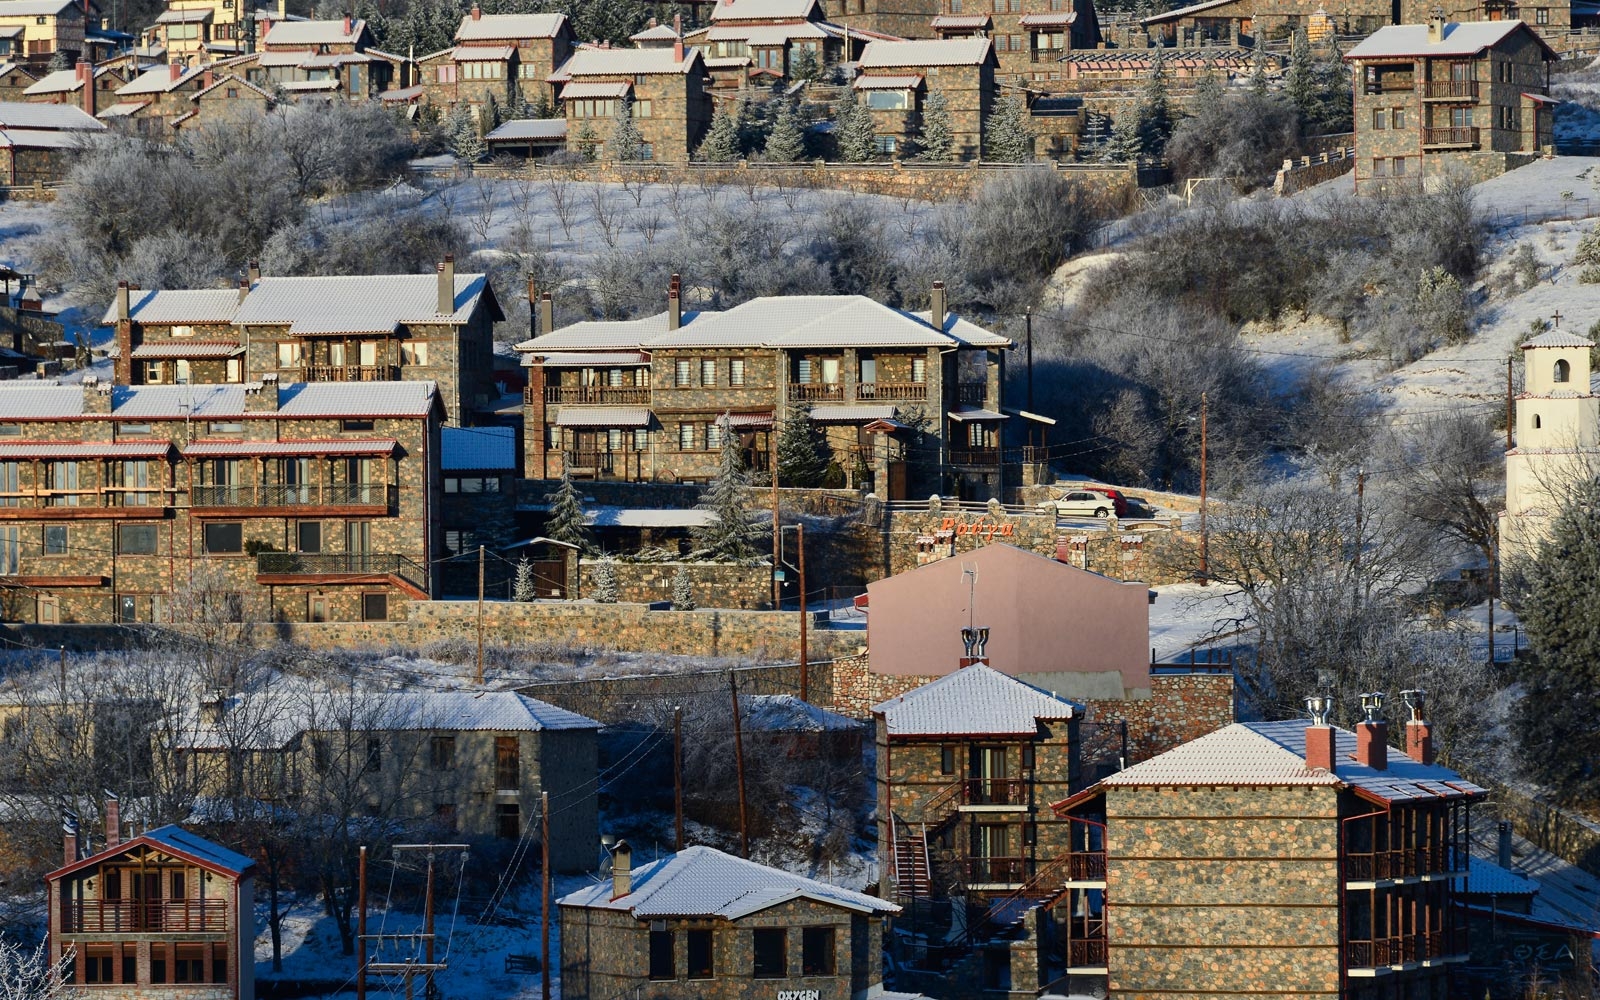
28 975
561 202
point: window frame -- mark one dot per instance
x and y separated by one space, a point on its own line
763 939
127 532
700 942
48 548
222 528
827 939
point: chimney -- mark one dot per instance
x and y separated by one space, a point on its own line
350 26
477 12
1419 733
122 301
174 72
207 78
447 285
674 303
677 49
96 396
253 270
936 306
1319 735
262 396
1503 855
621 870
547 313
244 289
113 822
677 26
1436 25
974 640
1372 733
85 73
69 846
533 307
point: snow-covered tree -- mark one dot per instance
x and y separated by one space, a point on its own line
721 144
625 142
466 141
682 591
801 461
566 522
1258 76
857 134
938 129
1125 145
587 141
730 534
28 975
1010 139
1300 80
805 65
523 587
604 590
786 143
1155 109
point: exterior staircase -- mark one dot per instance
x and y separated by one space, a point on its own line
911 860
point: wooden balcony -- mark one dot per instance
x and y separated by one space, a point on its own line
623 465
338 567
58 505
1087 953
350 373
96 916
1406 949
1454 137
377 496
971 393
892 390
628 395
1450 90
978 457
998 871
996 792
816 392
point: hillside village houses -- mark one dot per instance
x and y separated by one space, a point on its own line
897 77
194 32
36 139
322 57
664 89
1028 35
47 27
14 81
506 59
767 37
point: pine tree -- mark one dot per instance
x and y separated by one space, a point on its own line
721 144
682 591
586 141
730 534
938 129
1125 144
1300 81
801 462
1155 110
566 522
604 590
1009 138
625 143
1258 76
805 66
787 141
857 134
1209 94
522 588
465 141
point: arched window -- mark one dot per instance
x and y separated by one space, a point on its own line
1535 421
1563 370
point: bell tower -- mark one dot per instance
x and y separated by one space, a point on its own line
1557 434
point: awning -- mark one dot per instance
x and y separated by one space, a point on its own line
310 85
20 450
888 82
749 421
191 349
836 414
596 359
961 416
483 53
603 416
1541 99
1037 418
580 91
123 109
961 21
365 446
1054 20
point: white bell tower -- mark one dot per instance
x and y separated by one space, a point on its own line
1557 435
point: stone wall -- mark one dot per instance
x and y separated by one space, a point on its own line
716 585
1297 175
919 536
1156 557
1181 707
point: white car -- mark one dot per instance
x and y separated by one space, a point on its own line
1080 503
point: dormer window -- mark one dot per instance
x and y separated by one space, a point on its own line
1563 371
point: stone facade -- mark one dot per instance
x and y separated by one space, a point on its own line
667 88
968 86
1247 22
905 18
716 585
1421 117
497 59
1030 36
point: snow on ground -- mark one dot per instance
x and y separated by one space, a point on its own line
1187 617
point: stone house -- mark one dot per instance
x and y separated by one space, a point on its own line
327 57
897 18
1440 99
504 57
966 768
70 86
767 36
479 465
1029 35
193 32
896 78
704 925
1279 858
228 98
48 27
1246 22
36 141
434 328
666 90
157 98
904 404
1557 439
466 764
164 915
306 502
14 80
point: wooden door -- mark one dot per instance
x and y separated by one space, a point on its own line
899 481
550 577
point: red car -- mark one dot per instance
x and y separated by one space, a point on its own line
1118 501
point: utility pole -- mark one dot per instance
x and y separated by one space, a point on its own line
777 540
738 763
1361 495
1027 320
800 543
1205 536
361 925
1494 583
409 969
677 778
479 677
63 674
544 912
1510 406
427 928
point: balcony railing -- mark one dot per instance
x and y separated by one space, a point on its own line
1413 863
1086 866
96 916
816 391
975 456
1450 90
1454 136
1005 871
971 393
892 390
636 395
996 792
350 373
1086 952
1047 55
1383 952
331 495
340 563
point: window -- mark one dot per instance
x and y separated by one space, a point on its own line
713 436
63 477
736 371
641 439
10 430
708 371
374 754
413 352
10 550
919 370
136 480
889 100
152 373
442 752
225 427
1030 833
223 538
641 109
96 967
447 74
770 945
1380 167
1380 118
1563 371
955 6
9 483
374 607
355 425
686 437
700 964
1536 423
816 951
1397 166
308 536
55 539
947 760
885 145
508 821
554 437
219 963
127 608
803 371
136 539
662 953
1398 118
683 371
1027 756
1460 117
507 763
289 354
1541 15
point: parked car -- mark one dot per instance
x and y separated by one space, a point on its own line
1080 503
1117 499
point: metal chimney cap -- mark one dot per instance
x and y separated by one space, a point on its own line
1372 705
1416 699
1320 706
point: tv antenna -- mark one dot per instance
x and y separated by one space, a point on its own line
969 572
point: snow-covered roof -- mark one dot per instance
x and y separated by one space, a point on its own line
974 701
1557 337
1466 38
184 16
358 303
763 34
961 21
505 27
850 413
478 448
647 517
658 33
483 53
185 305
595 90
35 8
591 61
171 839
1056 19
705 882
310 33
59 117
764 10
603 416
230 79
188 349
22 401
61 81
157 81
529 128
784 713
123 109
888 81
1183 12
26 138
1485 878
926 52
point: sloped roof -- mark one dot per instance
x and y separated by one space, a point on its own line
591 61
705 882
1182 12
601 335
1403 780
478 448
171 839
960 21
974 701
313 32
1485 878
7 68
529 128
784 713
341 446
850 413
1056 19
188 349
35 8
661 32
483 53
1557 337
504 27
65 117
60 81
926 52
31 138
18 450
230 78
157 81
603 416
123 109
359 303
179 305
1466 38
597 89
764 10
184 16
39 401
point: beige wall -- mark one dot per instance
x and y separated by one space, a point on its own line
1557 433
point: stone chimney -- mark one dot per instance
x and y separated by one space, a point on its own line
547 313
174 72
1436 25
621 870
1319 735
447 285
85 72
113 822
937 306
96 396
477 12
124 336
262 396
677 44
1503 845
69 839
244 289
122 302
350 26
674 303
253 271
974 640
1372 733
1419 733
207 78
